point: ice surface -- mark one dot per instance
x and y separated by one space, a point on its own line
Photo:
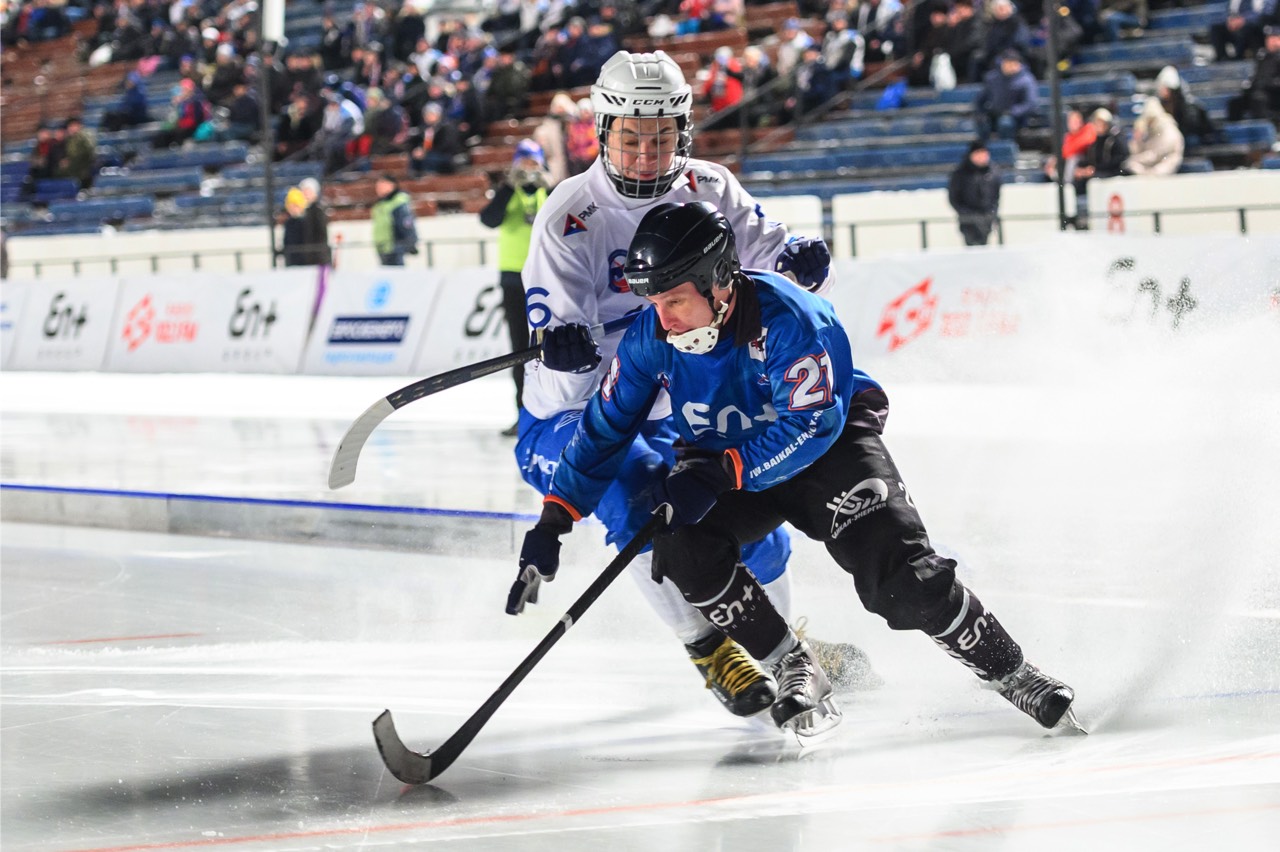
173 692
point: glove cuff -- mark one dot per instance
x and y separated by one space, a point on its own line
731 461
557 516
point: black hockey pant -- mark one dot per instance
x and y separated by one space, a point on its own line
854 500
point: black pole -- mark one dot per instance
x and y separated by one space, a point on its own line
268 140
1055 109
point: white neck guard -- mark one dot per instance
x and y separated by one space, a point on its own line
700 341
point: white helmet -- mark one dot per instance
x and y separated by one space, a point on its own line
645 85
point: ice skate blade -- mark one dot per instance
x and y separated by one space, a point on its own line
1069 724
814 726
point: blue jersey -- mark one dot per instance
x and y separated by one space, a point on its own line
775 404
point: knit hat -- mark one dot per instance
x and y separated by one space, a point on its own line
1169 78
530 149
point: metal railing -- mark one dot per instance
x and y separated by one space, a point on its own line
1097 221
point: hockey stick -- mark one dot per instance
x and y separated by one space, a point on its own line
342 471
413 767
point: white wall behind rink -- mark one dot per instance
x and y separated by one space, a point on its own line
886 223
959 315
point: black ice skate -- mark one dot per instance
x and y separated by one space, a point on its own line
738 681
804 706
1041 697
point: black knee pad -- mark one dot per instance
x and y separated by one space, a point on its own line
920 593
698 561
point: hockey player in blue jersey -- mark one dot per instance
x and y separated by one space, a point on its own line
776 424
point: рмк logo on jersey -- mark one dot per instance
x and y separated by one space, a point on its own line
573 225
860 500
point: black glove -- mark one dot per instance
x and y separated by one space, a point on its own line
808 259
695 483
539 556
569 349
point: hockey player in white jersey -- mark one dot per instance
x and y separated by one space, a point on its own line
573 280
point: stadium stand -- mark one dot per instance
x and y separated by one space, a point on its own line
852 144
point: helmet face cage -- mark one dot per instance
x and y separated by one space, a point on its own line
643 86
678 243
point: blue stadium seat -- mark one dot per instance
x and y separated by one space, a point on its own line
294 171
52 189
154 181
1255 134
212 156
1191 17
102 209
1272 162
1195 165
1143 53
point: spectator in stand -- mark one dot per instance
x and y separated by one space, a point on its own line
511 209
1157 143
466 110
407 29
335 44
974 193
1191 116
965 42
441 147
227 71
1121 19
395 231
131 110
189 111
80 154
876 21
508 88
1076 140
597 46
581 144
298 127
1070 34
935 41
722 88
1009 97
758 76
317 224
341 124
791 43
1006 31
815 83
243 118
1242 29
1261 96
843 50
44 159
1105 158
550 135
386 129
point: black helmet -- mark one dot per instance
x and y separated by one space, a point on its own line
676 243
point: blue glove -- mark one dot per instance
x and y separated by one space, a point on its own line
569 349
539 557
808 259
695 484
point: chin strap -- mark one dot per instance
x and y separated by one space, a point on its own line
700 341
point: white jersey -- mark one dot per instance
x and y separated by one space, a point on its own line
579 245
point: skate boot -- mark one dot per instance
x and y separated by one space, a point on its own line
739 682
804 705
1041 697
847 666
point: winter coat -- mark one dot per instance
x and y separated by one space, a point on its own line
974 193
1157 142
1017 96
394 228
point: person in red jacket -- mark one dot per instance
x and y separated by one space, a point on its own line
723 86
